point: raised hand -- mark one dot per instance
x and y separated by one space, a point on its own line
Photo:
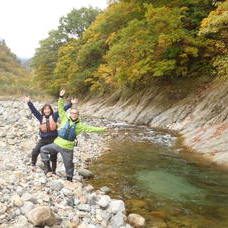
27 99
74 100
62 92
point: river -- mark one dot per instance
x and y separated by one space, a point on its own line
158 179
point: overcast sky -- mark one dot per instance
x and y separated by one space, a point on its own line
23 23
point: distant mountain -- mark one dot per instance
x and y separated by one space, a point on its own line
14 77
25 62
8 61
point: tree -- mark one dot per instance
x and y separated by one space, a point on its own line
156 46
215 27
77 21
97 40
131 44
46 56
44 61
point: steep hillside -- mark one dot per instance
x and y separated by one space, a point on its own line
13 77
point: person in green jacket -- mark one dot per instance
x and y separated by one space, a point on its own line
70 127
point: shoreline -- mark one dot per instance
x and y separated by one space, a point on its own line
27 192
179 128
201 118
87 144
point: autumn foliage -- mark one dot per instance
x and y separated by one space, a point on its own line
13 77
133 44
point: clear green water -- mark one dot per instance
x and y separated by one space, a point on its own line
167 185
149 172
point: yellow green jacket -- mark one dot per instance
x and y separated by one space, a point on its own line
80 127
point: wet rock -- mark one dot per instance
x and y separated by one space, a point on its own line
105 189
85 173
158 214
136 204
136 220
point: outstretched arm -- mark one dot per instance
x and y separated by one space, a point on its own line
81 127
34 111
62 112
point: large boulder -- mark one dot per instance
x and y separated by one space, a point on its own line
41 216
136 220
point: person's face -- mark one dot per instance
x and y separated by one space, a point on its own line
74 114
47 111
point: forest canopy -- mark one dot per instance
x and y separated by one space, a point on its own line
133 44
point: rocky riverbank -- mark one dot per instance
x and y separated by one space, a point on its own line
200 117
28 198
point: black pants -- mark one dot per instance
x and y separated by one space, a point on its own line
36 150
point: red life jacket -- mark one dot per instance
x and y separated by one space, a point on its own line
48 124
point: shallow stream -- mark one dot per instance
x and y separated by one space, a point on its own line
157 179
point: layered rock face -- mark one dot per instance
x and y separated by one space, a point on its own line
201 117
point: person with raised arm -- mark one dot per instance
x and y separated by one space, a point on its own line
48 129
70 127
